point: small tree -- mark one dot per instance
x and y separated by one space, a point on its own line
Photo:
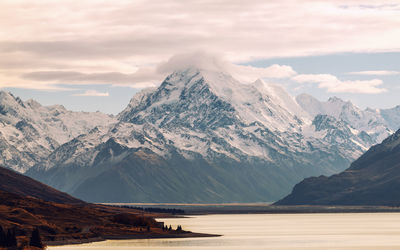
36 240
170 228
2 237
11 239
179 228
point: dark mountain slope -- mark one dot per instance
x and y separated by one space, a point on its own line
373 179
13 182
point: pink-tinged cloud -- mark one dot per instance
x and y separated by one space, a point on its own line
375 73
44 43
334 85
91 92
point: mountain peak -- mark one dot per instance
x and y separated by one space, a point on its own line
7 97
338 101
187 92
335 99
33 104
57 107
9 104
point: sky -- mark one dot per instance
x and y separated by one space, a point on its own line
95 55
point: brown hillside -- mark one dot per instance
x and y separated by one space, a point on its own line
70 223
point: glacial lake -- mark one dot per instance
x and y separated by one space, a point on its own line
273 231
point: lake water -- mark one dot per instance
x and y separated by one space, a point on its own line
273 231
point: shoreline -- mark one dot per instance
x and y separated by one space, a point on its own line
209 209
129 237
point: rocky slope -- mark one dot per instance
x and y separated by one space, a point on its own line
29 132
202 136
373 179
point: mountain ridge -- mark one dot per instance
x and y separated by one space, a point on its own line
368 120
196 120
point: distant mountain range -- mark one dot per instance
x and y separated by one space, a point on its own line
373 179
29 132
377 123
201 136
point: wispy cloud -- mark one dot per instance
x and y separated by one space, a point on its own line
332 84
109 42
375 73
139 79
91 92
153 75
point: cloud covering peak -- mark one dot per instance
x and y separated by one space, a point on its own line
216 62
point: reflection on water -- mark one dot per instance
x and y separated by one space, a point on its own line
274 231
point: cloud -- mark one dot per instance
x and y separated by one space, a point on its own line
130 34
124 30
127 42
91 92
216 62
141 78
274 71
388 6
153 75
334 85
375 73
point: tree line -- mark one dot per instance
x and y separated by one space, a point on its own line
178 228
8 239
154 209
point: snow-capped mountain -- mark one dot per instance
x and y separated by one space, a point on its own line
29 132
378 124
202 136
188 90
